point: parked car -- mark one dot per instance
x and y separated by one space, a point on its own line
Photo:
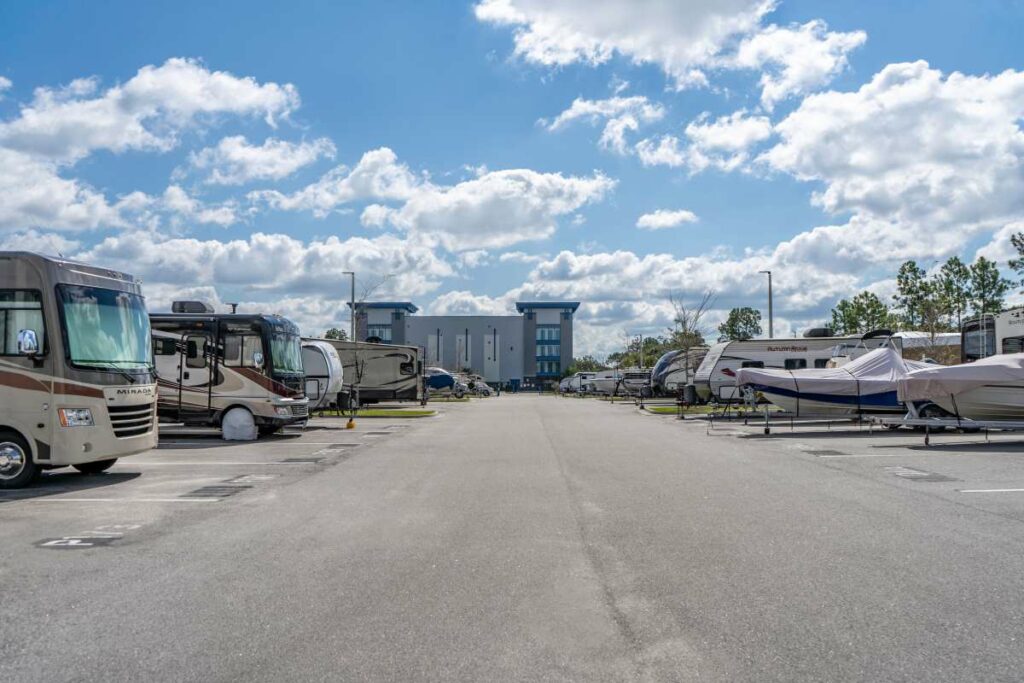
440 382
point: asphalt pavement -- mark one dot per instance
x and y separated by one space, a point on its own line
523 538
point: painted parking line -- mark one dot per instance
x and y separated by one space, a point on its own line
885 455
218 444
991 491
202 464
120 500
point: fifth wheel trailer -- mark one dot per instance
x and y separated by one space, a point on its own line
76 377
380 372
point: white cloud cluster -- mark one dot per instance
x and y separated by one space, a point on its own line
723 143
5 84
913 145
495 209
147 112
619 114
61 126
461 302
685 39
662 219
235 160
796 60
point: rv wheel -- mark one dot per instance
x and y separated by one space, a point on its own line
17 468
95 467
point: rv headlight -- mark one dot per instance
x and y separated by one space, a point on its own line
75 417
283 411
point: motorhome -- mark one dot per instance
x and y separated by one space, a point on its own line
380 372
716 376
676 369
325 375
992 334
76 377
244 368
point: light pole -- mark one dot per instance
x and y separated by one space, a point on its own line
352 303
771 320
354 396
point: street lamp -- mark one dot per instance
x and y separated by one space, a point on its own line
771 320
352 325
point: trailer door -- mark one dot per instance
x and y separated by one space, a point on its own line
194 376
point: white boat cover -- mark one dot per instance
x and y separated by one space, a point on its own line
873 374
939 380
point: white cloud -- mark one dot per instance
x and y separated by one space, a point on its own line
235 161
377 176
913 146
723 143
42 243
680 37
686 40
495 209
797 59
5 84
177 201
665 218
272 264
467 303
620 115
148 112
520 257
474 258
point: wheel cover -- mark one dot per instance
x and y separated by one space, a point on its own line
12 460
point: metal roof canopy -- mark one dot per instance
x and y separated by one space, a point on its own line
523 306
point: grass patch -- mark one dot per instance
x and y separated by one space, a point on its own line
449 399
674 410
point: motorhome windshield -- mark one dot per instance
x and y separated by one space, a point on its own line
286 352
105 327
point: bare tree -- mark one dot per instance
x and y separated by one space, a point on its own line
689 327
366 290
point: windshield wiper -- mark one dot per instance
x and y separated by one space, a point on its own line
110 366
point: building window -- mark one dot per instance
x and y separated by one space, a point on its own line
548 368
382 332
549 333
548 351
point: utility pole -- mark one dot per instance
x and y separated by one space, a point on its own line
771 320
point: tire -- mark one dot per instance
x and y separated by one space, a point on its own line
17 468
96 466
238 424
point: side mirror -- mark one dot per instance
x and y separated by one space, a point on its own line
28 343
257 359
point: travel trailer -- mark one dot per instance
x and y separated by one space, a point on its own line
604 382
676 369
246 368
76 376
716 376
635 382
325 376
381 372
992 334
866 384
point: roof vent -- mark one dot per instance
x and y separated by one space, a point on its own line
191 307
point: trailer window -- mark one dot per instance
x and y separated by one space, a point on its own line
796 363
408 368
20 310
821 363
1013 345
752 364
164 347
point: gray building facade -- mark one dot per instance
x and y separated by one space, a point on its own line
532 347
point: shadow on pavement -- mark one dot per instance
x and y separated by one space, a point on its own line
66 481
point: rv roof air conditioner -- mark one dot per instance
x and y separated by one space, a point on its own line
191 307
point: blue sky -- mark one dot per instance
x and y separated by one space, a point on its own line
453 104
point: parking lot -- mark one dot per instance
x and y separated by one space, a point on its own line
524 538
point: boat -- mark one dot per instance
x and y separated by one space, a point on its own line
866 384
989 389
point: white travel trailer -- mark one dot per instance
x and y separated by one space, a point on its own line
325 376
676 369
381 372
992 334
233 370
604 382
716 376
76 376
577 383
